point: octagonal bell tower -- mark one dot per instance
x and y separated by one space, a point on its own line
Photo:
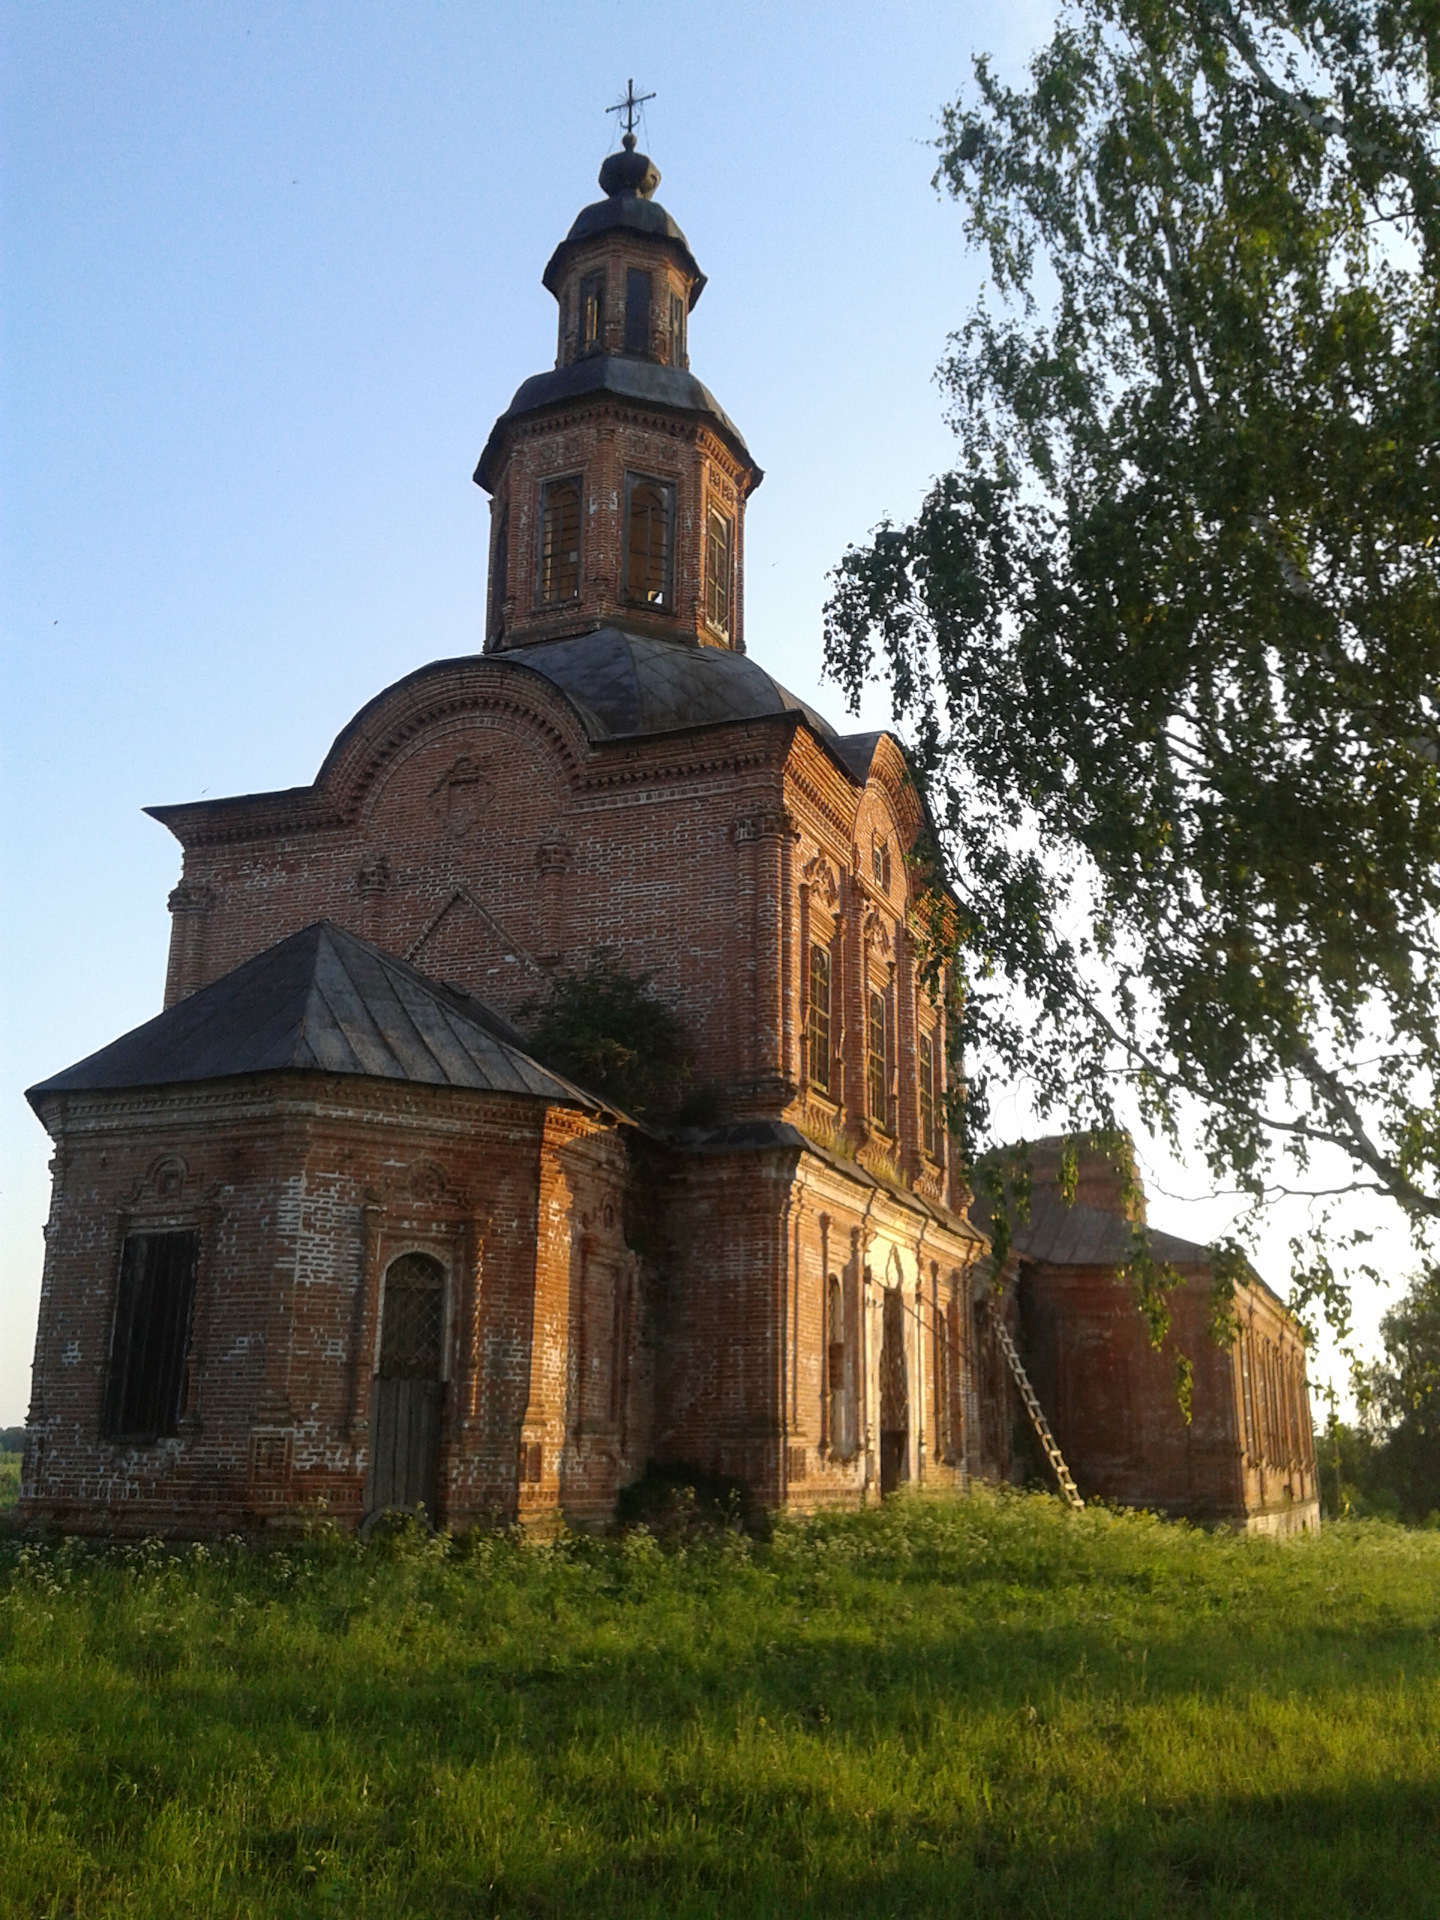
617 482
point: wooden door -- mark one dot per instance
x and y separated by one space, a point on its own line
408 1398
894 1395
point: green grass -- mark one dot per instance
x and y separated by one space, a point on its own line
986 1707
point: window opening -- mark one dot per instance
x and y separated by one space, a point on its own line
677 331
637 310
927 1093
500 572
560 540
818 1024
592 313
144 1389
414 1320
880 863
1247 1396
719 541
842 1443
878 1059
647 567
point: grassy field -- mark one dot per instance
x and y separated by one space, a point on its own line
986 1707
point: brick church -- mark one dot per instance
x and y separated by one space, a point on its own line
326 1236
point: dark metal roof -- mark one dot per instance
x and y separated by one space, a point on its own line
1081 1236
624 683
631 213
646 381
323 1001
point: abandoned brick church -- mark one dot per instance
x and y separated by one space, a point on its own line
326 1236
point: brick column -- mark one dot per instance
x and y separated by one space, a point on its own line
190 904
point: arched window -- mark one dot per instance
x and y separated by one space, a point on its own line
817 1035
878 1060
413 1325
650 511
560 540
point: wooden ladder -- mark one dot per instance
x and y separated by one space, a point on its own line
1036 1412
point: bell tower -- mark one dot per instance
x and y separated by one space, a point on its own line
617 482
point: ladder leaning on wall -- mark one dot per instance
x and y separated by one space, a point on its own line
1035 1411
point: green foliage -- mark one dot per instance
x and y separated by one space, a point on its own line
1391 1462
987 1707
608 1030
1167 640
9 1479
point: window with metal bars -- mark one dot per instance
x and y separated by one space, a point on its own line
719 544
649 516
878 1075
817 1026
677 331
560 540
637 310
145 1382
413 1324
592 313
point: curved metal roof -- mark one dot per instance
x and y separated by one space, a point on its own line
624 683
629 379
629 212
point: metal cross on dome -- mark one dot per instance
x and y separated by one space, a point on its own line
628 106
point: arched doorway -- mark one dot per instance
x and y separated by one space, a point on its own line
894 1395
408 1391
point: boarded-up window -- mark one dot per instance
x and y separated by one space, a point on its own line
719 546
649 515
878 1076
637 310
677 331
560 540
145 1384
818 1025
592 313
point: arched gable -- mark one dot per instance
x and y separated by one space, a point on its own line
442 701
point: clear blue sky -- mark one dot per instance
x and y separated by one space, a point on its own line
271 271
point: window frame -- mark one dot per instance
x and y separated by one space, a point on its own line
668 492
816 1018
877 1061
678 355
548 488
163 1399
716 616
590 304
926 1050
